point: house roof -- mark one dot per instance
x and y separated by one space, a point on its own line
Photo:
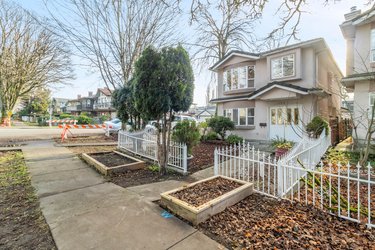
205 111
266 53
234 53
266 88
363 16
350 80
105 91
280 85
230 98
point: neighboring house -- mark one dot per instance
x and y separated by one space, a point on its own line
359 31
87 104
205 114
73 106
103 103
277 92
59 105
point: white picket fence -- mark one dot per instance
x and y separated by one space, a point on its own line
143 143
345 190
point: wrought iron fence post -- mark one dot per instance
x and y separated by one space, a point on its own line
216 162
279 179
184 163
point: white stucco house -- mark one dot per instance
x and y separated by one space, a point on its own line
358 30
277 92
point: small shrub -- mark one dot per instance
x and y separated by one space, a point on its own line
281 143
65 116
316 126
186 132
154 168
210 136
203 126
83 119
234 139
220 125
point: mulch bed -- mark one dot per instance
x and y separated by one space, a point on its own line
203 156
206 191
259 222
111 159
144 176
22 225
89 139
91 149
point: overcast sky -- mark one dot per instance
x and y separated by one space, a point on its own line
321 21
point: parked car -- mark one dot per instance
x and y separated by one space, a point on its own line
152 128
113 125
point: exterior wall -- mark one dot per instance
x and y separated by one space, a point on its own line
304 70
328 79
262 110
361 52
361 106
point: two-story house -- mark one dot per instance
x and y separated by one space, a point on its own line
277 92
359 31
103 103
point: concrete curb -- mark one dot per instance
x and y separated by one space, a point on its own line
85 144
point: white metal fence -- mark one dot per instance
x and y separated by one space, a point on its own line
144 144
345 190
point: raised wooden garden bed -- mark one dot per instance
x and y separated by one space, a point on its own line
200 200
112 162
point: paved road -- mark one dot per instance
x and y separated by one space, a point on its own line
37 133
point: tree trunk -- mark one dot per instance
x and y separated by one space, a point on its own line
163 152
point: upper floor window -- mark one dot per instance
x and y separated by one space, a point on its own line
239 78
372 52
282 66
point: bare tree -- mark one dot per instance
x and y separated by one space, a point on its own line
111 35
31 56
220 28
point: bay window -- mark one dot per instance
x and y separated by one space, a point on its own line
282 66
239 78
241 116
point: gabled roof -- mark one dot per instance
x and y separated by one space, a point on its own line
264 53
234 53
266 88
105 91
203 111
280 85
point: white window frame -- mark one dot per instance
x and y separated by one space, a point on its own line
282 66
238 118
370 94
372 45
225 84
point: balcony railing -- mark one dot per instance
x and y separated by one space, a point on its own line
105 105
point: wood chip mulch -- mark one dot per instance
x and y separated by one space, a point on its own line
203 156
111 159
205 191
143 176
260 222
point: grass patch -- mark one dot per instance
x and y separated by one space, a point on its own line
23 225
344 157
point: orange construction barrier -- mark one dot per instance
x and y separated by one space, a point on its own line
66 128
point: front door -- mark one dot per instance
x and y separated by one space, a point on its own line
285 122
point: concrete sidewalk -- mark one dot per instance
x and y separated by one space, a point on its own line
86 212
